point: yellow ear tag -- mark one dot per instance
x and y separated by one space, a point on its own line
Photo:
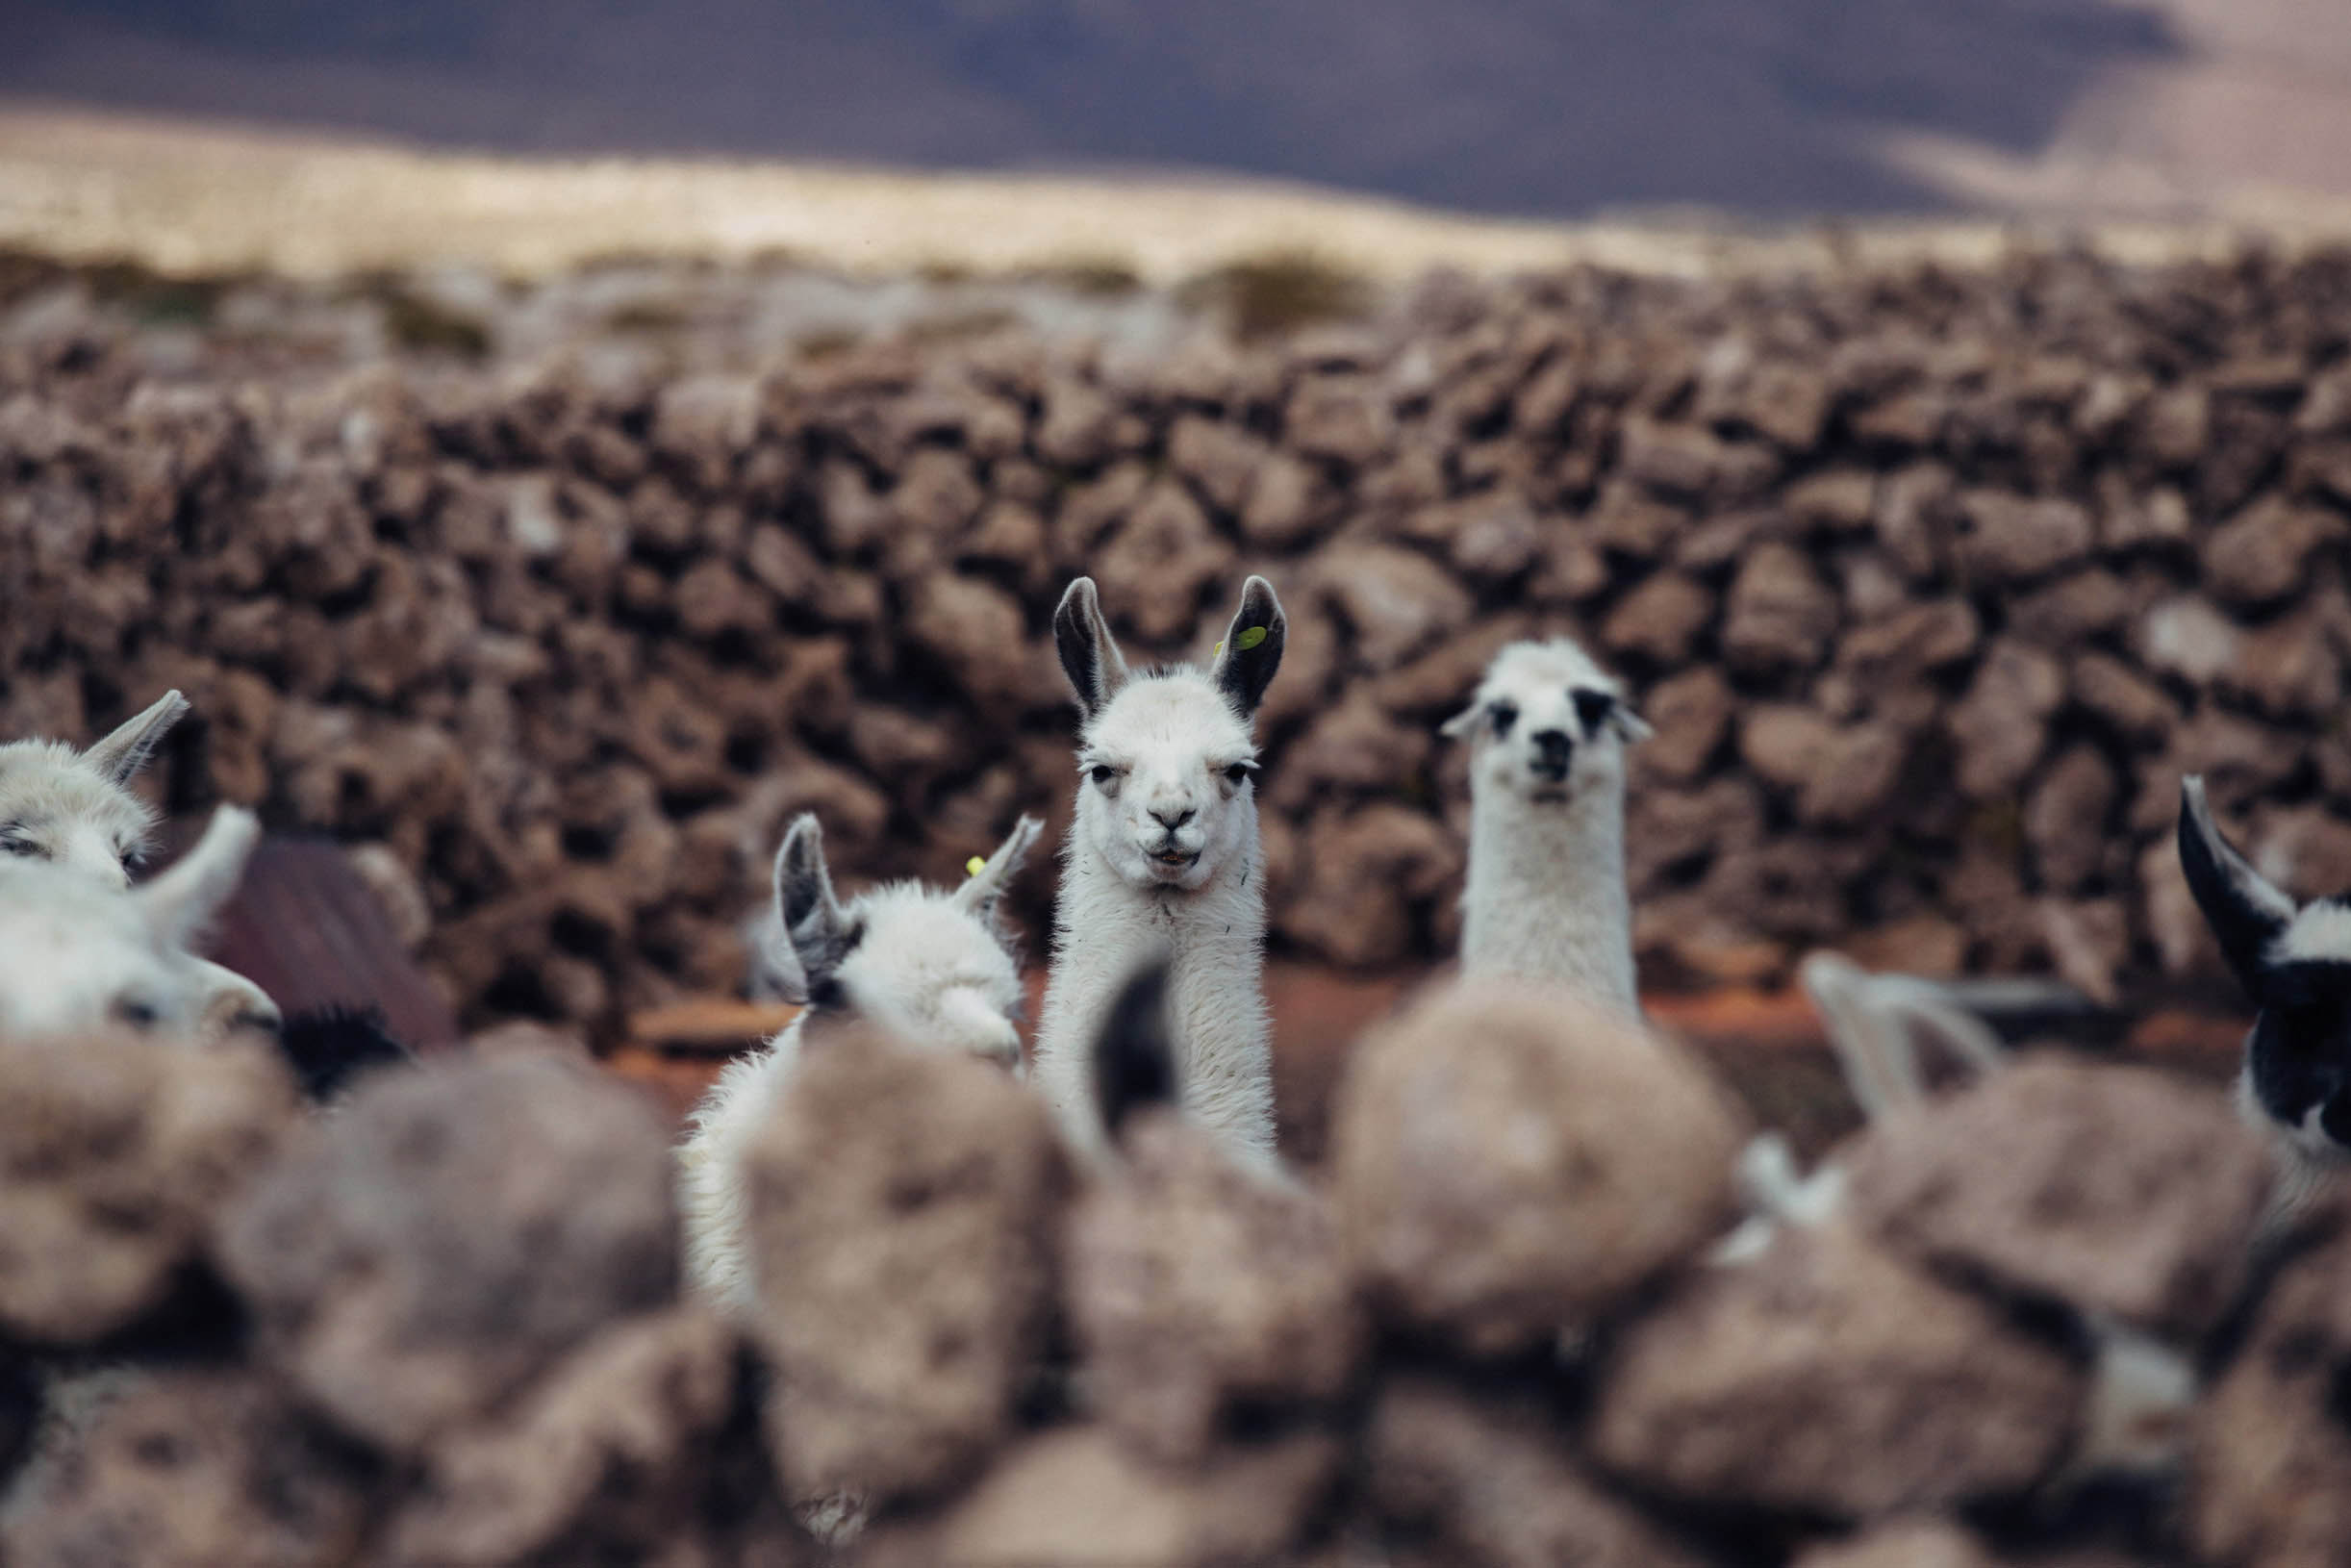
974 866
1251 637
1219 647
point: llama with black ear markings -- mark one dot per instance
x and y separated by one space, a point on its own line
2294 962
932 967
1545 897
1163 857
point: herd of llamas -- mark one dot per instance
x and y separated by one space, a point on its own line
1155 990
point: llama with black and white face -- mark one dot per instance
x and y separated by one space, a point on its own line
1546 898
931 966
1163 858
2294 962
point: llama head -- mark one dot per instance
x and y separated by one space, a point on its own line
2294 962
77 955
1547 724
1165 756
75 808
934 967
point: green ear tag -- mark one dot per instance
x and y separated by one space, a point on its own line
974 866
1251 637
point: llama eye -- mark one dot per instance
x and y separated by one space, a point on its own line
131 1013
1237 773
1593 708
1504 714
20 846
1102 773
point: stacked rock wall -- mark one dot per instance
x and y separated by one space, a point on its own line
438 1324
1932 584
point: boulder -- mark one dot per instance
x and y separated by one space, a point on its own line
450 1234
1199 1287
1508 1163
1992 1182
903 1208
1824 1378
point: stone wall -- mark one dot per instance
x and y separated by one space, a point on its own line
1932 584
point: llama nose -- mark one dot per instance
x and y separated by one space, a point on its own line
1171 817
1553 748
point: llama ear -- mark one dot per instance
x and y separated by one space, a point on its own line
985 887
2243 907
1629 726
1462 724
806 906
1251 649
1134 1056
1089 654
180 902
120 755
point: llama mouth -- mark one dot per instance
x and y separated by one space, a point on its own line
1173 860
1548 794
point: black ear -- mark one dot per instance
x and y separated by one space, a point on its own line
1134 1059
1251 649
1089 655
807 909
2246 910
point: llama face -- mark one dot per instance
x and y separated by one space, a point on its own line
1164 796
2294 963
1547 724
930 966
77 955
73 808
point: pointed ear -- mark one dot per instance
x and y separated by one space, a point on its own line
1461 725
1251 649
1089 655
985 887
1629 726
178 905
2244 910
120 755
806 906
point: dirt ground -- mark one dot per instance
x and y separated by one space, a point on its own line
1766 1045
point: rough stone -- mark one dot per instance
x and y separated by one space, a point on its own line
903 1208
1688 716
1662 619
1198 1287
1364 872
2001 725
1395 601
2065 819
1493 1484
1826 1377
114 1155
1991 1181
1507 1163
452 1232
1780 614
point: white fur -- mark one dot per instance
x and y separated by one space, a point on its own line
2320 932
1545 897
1162 858
77 955
74 810
931 967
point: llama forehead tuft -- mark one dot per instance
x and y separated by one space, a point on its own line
1174 707
2319 933
1549 666
44 782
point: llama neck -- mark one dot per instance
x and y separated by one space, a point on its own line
1214 939
1546 896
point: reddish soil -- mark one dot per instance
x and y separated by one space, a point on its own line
1766 1045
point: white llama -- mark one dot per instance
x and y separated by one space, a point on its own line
1545 899
75 810
930 966
2294 963
1163 858
78 955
